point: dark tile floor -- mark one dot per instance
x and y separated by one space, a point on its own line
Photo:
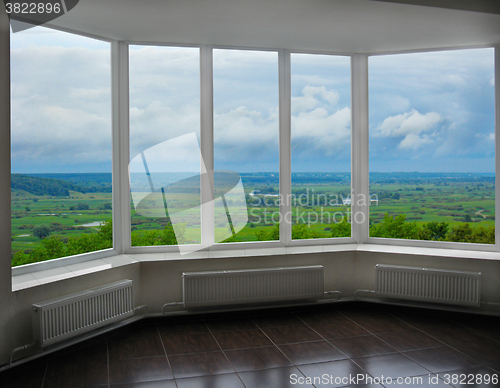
334 345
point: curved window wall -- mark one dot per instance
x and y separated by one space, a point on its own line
277 131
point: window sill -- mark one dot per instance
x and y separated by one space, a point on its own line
426 251
33 279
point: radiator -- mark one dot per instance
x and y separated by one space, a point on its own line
215 288
68 316
429 285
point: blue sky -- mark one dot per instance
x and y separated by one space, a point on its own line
429 112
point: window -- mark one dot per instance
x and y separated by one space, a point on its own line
432 146
321 146
165 158
61 145
246 143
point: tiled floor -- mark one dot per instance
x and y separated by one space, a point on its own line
343 344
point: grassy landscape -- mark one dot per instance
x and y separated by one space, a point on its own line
72 207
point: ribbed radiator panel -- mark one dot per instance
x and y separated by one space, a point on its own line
250 286
62 318
429 285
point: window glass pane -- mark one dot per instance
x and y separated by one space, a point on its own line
61 145
246 143
165 158
321 146
432 146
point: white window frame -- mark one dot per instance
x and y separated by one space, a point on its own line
117 249
359 160
445 244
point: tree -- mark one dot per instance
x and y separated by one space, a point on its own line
433 231
167 236
272 235
395 227
341 229
54 248
303 232
478 235
41 231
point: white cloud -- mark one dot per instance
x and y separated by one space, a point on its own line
242 135
319 126
164 95
309 99
322 131
414 142
410 125
407 123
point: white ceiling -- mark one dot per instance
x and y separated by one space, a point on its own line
350 26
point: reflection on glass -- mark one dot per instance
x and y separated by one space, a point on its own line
164 186
230 208
166 163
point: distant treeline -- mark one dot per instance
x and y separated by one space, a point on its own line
59 184
430 177
82 179
57 187
375 177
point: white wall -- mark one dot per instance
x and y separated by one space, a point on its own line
159 282
8 305
365 263
15 308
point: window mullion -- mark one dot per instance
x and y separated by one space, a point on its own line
360 198
207 146
120 146
497 144
285 144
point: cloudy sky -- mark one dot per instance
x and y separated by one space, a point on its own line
321 113
428 112
61 101
432 112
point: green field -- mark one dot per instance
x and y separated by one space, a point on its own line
319 202
29 211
